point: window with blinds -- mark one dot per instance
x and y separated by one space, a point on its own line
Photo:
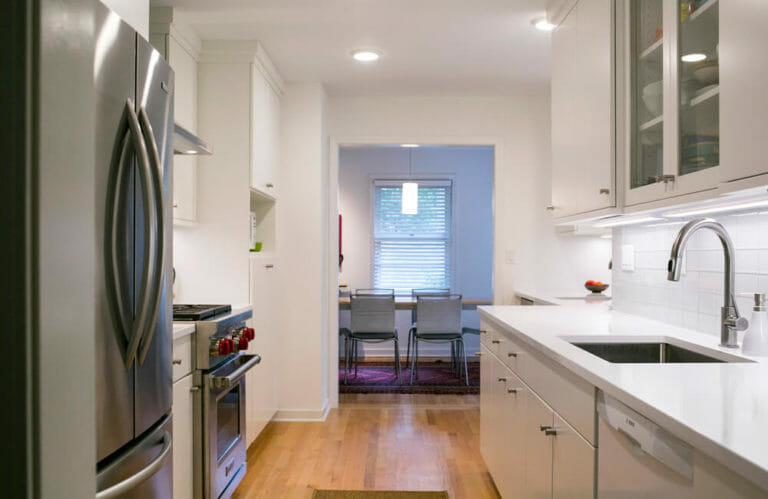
412 251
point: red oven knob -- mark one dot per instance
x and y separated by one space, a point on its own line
224 347
250 333
243 343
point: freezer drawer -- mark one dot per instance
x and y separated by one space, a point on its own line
639 459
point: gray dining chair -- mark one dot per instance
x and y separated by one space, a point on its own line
415 293
438 321
372 321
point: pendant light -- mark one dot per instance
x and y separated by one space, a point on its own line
410 201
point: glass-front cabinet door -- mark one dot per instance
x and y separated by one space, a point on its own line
668 78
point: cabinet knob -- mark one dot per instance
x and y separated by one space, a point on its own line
175 205
269 185
512 390
194 389
550 432
502 380
665 178
482 331
605 191
176 362
550 208
544 427
495 342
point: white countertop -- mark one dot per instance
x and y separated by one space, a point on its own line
564 297
182 329
720 409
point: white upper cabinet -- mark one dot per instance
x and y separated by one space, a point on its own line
669 86
181 50
744 88
583 168
265 129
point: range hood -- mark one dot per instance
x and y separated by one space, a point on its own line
186 142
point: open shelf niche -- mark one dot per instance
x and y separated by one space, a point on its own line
263 208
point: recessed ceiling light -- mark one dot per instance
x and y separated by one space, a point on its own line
543 24
409 145
693 57
366 55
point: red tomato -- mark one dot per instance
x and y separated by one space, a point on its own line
590 283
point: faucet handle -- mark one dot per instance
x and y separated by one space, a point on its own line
737 323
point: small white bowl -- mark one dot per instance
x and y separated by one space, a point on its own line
653 97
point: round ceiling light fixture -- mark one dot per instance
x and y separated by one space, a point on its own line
543 25
366 55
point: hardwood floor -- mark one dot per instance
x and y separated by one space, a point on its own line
374 442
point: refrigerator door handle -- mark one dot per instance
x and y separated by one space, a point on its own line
115 274
156 286
146 473
145 175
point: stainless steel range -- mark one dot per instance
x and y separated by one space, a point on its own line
219 376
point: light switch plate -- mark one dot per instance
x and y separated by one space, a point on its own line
628 258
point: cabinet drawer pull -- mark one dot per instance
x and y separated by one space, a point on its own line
544 427
269 266
605 191
550 432
550 208
175 205
270 185
512 390
176 362
502 379
482 331
496 342
194 389
512 354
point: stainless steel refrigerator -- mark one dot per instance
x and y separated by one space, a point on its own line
134 128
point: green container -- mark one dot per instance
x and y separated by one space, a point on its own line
256 247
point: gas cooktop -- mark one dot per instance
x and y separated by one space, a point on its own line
198 312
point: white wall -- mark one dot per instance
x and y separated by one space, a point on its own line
694 302
471 168
134 12
303 224
519 125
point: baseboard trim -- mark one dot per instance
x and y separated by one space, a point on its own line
307 415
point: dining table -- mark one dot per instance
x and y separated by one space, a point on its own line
408 302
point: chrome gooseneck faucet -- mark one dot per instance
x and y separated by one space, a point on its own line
731 322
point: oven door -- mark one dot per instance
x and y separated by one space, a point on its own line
224 426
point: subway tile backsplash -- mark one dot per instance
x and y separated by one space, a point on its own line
694 302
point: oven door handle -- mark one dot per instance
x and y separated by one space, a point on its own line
224 382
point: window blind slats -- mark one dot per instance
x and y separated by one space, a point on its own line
412 251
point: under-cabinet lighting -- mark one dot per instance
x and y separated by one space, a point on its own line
695 57
409 145
619 221
366 55
718 208
190 151
544 25
410 200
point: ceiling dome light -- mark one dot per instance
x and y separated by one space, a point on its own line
543 24
693 57
366 55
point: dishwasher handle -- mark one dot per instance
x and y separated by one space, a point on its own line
646 436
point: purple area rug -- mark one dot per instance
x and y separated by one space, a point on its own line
434 378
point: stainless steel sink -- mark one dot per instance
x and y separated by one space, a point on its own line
651 353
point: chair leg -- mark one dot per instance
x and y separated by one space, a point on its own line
356 355
346 358
466 371
413 357
397 360
408 348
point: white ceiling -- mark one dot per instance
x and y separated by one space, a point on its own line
430 47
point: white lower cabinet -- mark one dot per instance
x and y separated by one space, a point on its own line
183 437
537 447
573 463
261 399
